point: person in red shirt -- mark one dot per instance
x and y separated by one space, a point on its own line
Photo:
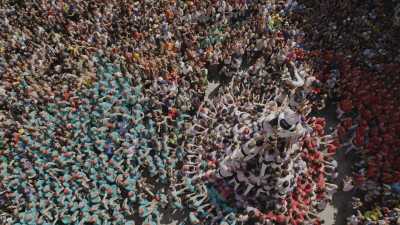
371 172
340 132
319 129
332 148
321 182
347 122
172 113
281 219
297 219
321 121
345 106
362 128
358 141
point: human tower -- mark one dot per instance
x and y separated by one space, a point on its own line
263 154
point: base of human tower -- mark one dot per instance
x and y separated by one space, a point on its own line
261 157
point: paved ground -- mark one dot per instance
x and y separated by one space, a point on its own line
340 209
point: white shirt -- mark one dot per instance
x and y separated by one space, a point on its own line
300 164
353 220
269 157
347 186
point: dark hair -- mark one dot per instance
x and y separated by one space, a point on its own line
274 122
284 124
285 184
259 143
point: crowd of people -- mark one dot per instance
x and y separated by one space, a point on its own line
104 119
358 61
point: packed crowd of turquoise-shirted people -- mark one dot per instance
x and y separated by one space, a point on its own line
93 175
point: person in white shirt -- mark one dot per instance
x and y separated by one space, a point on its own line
347 184
353 220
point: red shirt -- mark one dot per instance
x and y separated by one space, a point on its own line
346 105
172 113
361 130
374 100
366 114
319 129
316 156
321 121
295 205
388 138
371 173
358 140
310 143
332 148
376 140
280 218
307 188
321 182
320 196
347 122
306 201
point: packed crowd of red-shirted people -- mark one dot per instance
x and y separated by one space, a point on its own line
358 63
